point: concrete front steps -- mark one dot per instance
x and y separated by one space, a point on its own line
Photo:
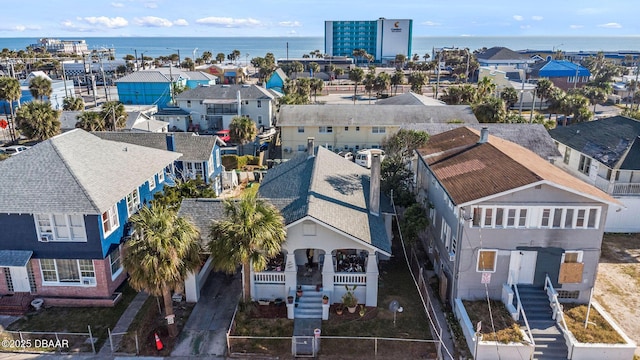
309 305
550 343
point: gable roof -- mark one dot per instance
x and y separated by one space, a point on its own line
501 53
147 76
229 92
534 137
410 98
76 173
612 141
470 171
192 147
372 115
326 187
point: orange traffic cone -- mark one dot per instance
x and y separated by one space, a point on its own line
159 345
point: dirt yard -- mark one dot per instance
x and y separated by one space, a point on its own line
618 284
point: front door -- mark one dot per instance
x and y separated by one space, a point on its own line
527 268
20 278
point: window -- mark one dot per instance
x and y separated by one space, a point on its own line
133 202
593 218
572 257
116 264
445 234
567 155
60 227
568 218
499 217
357 128
152 182
378 130
300 129
546 215
259 119
67 272
259 103
487 260
309 228
161 177
194 169
523 218
188 103
325 129
511 217
488 217
580 218
302 148
110 220
346 128
476 216
585 163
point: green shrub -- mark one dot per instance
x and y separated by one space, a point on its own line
242 162
253 160
230 162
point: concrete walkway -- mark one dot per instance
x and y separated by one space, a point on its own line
205 333
125 321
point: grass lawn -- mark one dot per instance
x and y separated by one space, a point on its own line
76 319
506 329
598 330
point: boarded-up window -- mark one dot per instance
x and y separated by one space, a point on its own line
487 260
570 273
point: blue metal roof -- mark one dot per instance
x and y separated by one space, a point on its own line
562 68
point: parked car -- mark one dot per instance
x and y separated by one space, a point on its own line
264 147
14 149
347 155
363 157
223 135
267 134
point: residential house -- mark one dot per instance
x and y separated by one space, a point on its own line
353 128
64 210
501 215
60 89
562 73
277 80
606 154
200 154
139 119
410 98
156 86
331 206
228 73
211 108
499 57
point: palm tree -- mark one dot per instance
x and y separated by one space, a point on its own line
356 75
251 233
207 56
383 81
400 59
369 83
220 58
490 111
359 53
510 97
114 115
543 89
40 87
73 103
397 79
10 92
91 121
163 251
314 67
37 120
242 129
316 85
417 81
486 87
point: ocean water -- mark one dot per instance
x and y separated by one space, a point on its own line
295 47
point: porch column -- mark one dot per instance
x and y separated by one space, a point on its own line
328 272
191 290
372 280
290 273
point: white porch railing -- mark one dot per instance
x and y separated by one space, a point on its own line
350 279
602 184
524 315
626 189
269 277
555 304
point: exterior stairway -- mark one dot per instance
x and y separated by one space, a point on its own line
550 343
309 305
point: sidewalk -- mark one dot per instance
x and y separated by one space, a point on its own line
123 324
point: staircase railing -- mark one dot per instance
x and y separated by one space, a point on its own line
519 308
555 304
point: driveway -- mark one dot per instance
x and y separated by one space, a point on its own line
205 332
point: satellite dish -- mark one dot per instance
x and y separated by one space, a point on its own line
394 305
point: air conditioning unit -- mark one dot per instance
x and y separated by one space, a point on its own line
430 250
46 237
452 256
287 150
88 281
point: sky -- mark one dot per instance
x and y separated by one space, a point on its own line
114 18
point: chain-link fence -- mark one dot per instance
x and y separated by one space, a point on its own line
47 342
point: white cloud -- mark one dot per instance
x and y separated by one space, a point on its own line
576 26
153 21
21 28
290 23
518 17
536 18
611 25
111 23
228 22
150 5
117 5
292 32
181 22
430 23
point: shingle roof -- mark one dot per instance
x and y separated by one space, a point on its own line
247 92
326 187
192 147
611 141
534 137
410 98
470 171
76 173
199 75
360 115
501 53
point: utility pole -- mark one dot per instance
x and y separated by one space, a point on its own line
438 73
135 51
524 77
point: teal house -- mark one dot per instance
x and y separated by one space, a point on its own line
276 81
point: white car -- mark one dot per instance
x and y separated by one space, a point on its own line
267 134
347 155
14 149
363 157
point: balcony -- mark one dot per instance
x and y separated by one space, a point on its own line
617 188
